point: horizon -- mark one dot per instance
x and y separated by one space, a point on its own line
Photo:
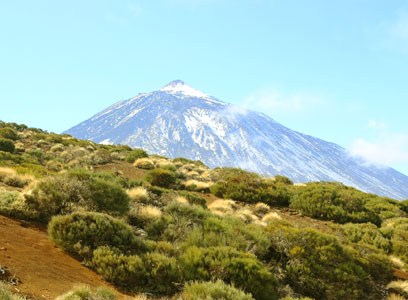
335 71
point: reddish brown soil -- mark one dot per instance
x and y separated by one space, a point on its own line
44 270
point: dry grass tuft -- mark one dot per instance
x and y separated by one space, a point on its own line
10 177
261 208
144 163
395 297
399 286
222 207
149 212
397 262
271 216
138 194
181 199
245 215
197 185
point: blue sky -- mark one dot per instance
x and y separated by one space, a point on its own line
336 70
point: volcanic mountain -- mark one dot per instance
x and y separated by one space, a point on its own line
180 121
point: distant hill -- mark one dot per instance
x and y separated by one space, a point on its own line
180 121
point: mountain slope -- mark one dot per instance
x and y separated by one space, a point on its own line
179 121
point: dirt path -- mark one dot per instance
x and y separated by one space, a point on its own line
45 271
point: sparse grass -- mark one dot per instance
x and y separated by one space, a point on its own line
85 292
7 294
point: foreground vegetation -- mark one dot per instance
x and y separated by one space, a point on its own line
174 228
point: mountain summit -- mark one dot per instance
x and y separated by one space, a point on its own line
180 121
179 87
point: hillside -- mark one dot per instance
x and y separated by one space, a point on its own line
180 121
156 227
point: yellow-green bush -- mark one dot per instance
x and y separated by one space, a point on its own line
163 273
249 187
162 177
7 145
217 290
244 270
82 232
124 270
135 154
316 265
330 201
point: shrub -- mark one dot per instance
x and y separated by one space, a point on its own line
82 232
283 180
123 270
8 133
367 234
162 178
7 145
231 266
217 290
85 292
248 187
62 194
163 273
334 202
316 264
135 154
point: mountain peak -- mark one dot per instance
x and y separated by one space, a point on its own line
180 87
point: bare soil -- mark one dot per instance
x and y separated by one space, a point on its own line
37 267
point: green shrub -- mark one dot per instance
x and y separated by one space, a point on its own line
328 201
65 193
248 187
228 231
177 221
231 266
316 264
135 154
397 230
7 145
217 290
56 195
366 234
82 232
123 270
8 133
162 178
283 180
163 273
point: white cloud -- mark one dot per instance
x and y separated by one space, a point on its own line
274 102
384 149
